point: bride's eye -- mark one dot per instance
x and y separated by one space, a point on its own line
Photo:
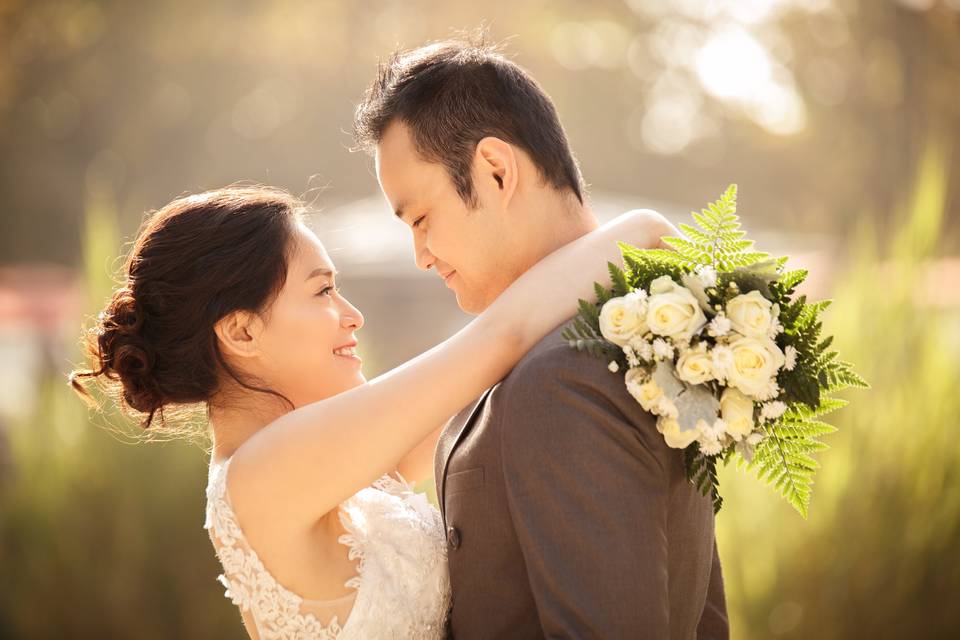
326 291
416 223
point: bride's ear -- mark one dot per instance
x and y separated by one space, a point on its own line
238 334
495 164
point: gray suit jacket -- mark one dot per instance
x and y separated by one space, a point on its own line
567 515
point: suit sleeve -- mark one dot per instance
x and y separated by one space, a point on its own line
714 624
588 497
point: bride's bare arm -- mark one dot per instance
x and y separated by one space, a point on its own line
417 464
320 454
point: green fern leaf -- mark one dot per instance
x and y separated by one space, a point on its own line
619 280
590 314
603 294
790 280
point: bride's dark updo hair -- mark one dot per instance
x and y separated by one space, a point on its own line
197 259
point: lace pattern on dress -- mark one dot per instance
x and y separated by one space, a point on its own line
277 611
402 587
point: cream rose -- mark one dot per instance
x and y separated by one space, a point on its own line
623 318
754 364
695 365
751 314
672 310
648 393
674 436
736 410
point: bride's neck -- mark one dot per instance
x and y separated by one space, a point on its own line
233 422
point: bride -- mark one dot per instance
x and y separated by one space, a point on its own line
232 302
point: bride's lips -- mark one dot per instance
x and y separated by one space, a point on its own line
347 351
448 277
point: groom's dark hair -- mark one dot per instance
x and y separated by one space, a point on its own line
451 95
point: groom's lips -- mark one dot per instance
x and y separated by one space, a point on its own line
447 277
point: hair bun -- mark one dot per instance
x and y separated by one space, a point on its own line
126 354
122 313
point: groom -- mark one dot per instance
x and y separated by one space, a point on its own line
566 514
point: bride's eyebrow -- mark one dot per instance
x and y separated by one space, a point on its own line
321 271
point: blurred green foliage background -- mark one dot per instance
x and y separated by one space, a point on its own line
838 119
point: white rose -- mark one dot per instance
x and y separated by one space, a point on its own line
672 310
754 364
623 318
695 365
674 436
647 393
750 314
736 410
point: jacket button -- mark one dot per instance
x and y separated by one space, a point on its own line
453 537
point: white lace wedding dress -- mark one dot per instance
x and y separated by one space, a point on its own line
402 589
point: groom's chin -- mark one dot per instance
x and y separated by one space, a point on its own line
472 303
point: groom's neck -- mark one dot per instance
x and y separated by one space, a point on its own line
549 222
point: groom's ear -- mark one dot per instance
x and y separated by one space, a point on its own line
495 170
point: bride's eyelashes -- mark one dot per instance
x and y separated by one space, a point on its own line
326 291
416 223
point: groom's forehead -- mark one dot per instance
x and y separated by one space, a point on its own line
395 143
392 158
402 172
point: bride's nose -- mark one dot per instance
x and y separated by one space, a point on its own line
350 316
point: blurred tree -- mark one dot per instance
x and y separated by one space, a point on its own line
819 102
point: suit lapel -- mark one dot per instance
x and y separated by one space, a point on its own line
448 442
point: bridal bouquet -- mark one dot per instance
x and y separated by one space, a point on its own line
710 339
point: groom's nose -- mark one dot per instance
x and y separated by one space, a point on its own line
424 258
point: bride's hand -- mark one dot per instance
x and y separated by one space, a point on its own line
651 227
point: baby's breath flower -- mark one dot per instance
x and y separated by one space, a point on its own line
790 354
719 326
662 349
772 410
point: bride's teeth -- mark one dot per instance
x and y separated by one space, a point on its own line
346 351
